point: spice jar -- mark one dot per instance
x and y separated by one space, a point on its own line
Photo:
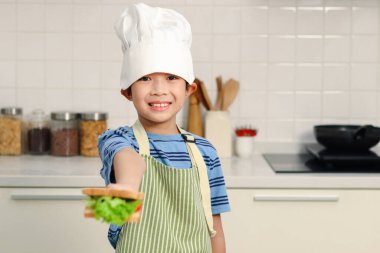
64 134
11 131
92 124
38 133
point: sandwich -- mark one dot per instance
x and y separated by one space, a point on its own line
113 206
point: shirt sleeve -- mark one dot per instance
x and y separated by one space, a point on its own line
219 198
109 143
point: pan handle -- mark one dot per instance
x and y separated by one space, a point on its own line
361 132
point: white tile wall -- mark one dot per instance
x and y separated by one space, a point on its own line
282 48
309 48
310 20
337 18
281 77
59 46
8 74
336 48
308 77
299 62
336 76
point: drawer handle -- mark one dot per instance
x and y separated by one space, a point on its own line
46 196
297 198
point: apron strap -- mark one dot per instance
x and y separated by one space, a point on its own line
196 159
196 156
142 138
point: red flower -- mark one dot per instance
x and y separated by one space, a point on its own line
246 132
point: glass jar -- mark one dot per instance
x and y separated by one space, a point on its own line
38 133
11 134
64 134
92 124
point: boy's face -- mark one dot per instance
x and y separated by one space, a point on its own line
158 97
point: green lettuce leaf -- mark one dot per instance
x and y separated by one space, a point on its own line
111 209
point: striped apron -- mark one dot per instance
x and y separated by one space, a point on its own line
174 217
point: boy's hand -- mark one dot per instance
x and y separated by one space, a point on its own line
120 187
218 242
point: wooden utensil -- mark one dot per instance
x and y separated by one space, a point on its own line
201 94
194 119
206 99
230 91
219 96
206 96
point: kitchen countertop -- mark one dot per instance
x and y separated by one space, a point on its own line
49 171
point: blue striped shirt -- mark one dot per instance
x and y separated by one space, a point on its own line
170 150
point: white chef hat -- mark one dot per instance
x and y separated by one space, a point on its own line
154 40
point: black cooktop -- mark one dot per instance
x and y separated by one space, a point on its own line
320 160
336 156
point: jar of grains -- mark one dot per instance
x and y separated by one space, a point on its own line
38 133
11 137
64 134
92 124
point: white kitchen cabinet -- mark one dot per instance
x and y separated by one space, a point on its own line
299 221
44 220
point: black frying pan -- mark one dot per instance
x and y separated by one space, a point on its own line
347 137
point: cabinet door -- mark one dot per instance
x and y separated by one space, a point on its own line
328 221
48 220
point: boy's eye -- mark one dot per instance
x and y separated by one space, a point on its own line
144 78
172 77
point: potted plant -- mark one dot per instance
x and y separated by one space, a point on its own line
244 141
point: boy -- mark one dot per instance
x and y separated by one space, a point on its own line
179 173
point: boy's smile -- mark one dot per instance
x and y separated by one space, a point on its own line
158 97
159 106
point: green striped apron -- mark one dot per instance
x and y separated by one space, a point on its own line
174 217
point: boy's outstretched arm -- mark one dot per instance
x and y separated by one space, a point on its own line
129 169
218 242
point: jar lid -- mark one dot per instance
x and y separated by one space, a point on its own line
64 115
94 116
37 116
11 111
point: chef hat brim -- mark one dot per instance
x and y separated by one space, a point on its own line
147 58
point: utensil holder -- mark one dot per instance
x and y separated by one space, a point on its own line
218 131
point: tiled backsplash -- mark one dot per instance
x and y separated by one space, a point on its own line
300 63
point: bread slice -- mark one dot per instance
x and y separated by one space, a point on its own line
125 194
106 191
